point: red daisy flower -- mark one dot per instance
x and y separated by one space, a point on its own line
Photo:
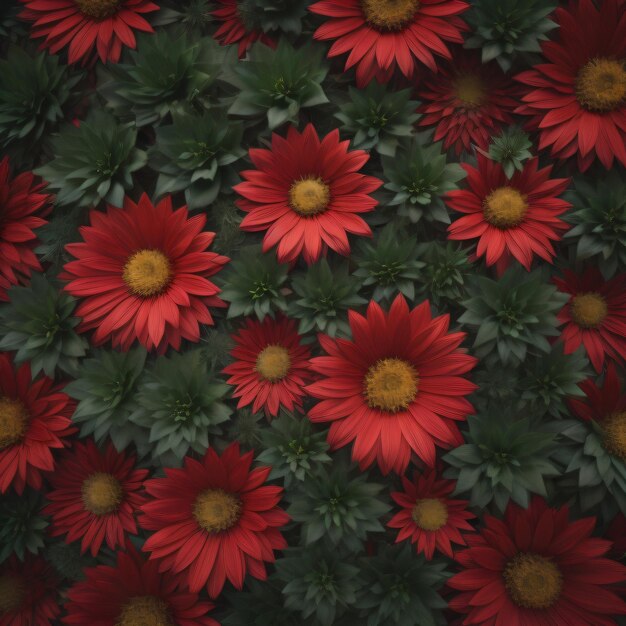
538 569
467 102
143 272
379 34
396 387
306 193
28 592
94 496
214 519
134 592
516 217
22 206
595 315
429 517
34 420
87 25
271 368
577 99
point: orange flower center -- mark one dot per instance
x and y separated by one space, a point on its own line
430 514
13 422
389 14
470 90
601 85
505 207
216 510
391 385
102 493
533 582
12 593
588 309
147 273
309 196
614 431
273 363
98 9
145 611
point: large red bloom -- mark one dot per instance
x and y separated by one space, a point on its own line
306 193
397 387
94 496
271 367
133 592
34 420
379 34
595 315
577 99
87 25
214 519
535 568
22 206
142 273
429 517
511 218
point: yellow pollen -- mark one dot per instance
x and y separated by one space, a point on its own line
145 611
389 14
588 310
309 196
273 363
98 9
430 514
12 593
614 431
217 510
147 273
469 90
102 493
13 422
533 582
390 385
601 85
504 207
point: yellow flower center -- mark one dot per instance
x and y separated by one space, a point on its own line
145 611
12 593
614 430
147 273
389 14
273 363
309 196
588 310
470 90
102 493
217 510
533 582
505 207
98 9
601 85
430 514
391 385
13 422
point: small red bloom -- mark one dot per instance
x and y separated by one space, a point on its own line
142 273
271 367
306 194
22 206
538 569
429 517
512 218
595 315
214 519
396 388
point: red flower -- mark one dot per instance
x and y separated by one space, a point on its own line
22 206
143 272
538 569
595 315
616 532
94 496
105 25
577 99
34 420
379 34
515 217
271 368
305 193
429 518
396 387
214 519
28 592
133 592
467 102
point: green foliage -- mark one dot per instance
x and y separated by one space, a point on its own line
22 526
245 428
68 561
274 15
510 149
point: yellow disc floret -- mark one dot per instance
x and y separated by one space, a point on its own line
430 514
601 85
98 9
147 273
273 363
390 385
588 310
389 14
102 493
533 581
13 422
216 510
309 196
505 207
